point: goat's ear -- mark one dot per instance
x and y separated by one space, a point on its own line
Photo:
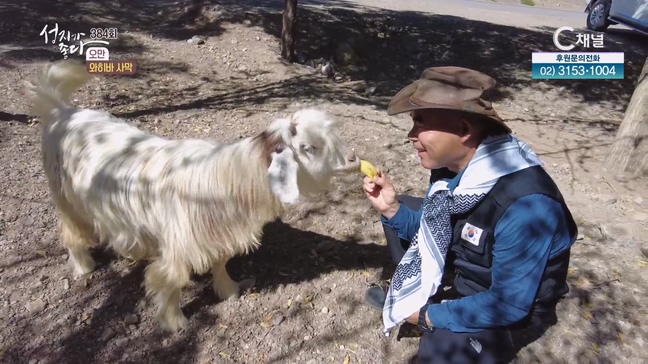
294 121
282 174
294 118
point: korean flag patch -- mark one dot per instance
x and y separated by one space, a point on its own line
471 234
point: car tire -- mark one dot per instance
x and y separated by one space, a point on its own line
597 16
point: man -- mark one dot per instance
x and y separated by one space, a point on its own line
492 214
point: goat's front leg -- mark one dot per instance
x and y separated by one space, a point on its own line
224 287
164 281
77 238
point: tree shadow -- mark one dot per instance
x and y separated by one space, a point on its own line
295 256
114 290
390 48
387 49
20 118
303 87
599 306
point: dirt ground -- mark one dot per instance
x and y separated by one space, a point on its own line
309 277
574 5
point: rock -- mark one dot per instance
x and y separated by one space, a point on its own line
221 333
638 200
212 12
595 233
644 251
189 8
326 290
615 231
360 86
345 54
640 216
609 199
580 237
121 341
35 306
325 310
66 284
107 334
278 320
370 91
131 319
247 283
324 246
328 70
196 40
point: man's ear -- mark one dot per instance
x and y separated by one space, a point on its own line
468 130
282 174
466 127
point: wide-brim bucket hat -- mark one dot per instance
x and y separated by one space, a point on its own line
449 87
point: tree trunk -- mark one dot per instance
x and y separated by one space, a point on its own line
629 154
288 30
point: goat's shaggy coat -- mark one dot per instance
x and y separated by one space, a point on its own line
186 205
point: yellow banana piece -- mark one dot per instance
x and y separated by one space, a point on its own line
368 169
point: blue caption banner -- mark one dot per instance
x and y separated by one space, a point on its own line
578 65
578 71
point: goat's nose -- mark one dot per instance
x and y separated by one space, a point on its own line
352 156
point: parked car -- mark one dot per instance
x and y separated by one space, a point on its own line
630 13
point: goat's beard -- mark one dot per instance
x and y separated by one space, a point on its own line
312 185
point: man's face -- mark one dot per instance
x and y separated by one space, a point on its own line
438 136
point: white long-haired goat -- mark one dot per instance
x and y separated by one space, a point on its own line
186 205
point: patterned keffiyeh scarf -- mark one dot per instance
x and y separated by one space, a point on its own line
418 275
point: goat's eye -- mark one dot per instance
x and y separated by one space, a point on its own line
308 148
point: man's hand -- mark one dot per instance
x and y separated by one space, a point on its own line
381 194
